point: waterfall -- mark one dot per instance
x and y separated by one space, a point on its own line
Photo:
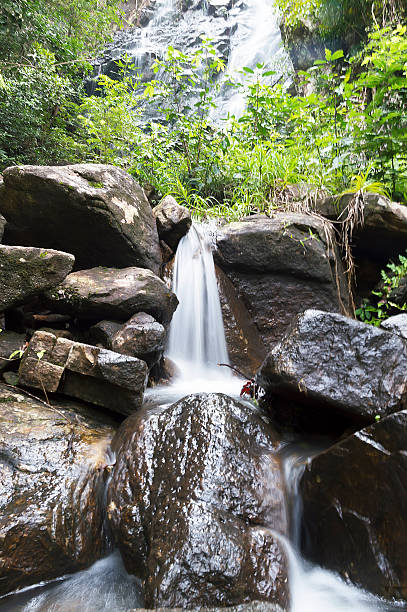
243 33
197 337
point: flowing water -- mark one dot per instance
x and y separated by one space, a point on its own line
197 344
244 33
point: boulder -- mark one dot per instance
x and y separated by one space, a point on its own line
338 364
195 492
51 486
173 221
396 325
104 331
143 337
108 293
97 212
355 508
281 266
254 606
382 237
10 342
90 373
27 271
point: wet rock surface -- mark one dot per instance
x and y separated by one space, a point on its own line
27 271
246 349
355 508
104 293
195 491
173 221
143 337
345 366
97 212
90 373
51 483
281 266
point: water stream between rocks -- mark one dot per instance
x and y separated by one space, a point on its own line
197 344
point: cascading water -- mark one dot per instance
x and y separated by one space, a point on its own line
197 338
243 34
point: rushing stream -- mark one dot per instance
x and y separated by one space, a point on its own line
197 344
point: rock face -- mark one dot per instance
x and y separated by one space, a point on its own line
27 271
194 492
107 293
246 349
355 508
97 212
50 489
280 267
143 337
96 375
173 221
343 365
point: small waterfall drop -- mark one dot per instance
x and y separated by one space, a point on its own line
197 338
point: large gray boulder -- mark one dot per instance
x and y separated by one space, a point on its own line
107 293
173 221
90 373
281 266
51 484
194 495
340 365
97 212
27 271
143 337
355 507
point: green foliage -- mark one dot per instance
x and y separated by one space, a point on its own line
45 50
380 306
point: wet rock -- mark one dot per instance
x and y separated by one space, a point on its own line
246 350
355 508
108 293
97 212
104 331
173 221
90 373
51 488
143 337
10 342
396 325
195 491
28 271
281 266
345 366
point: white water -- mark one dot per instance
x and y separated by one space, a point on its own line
197 341
257 40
